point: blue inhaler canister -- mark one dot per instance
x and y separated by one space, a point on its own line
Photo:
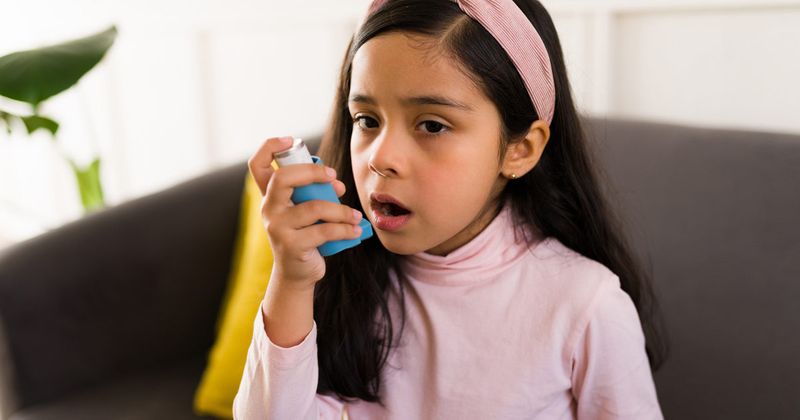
297 154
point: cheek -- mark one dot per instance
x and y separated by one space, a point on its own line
360 169
460 184
359 160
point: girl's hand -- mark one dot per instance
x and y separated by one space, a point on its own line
292 229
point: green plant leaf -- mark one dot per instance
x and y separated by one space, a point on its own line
6 118
31 122
89 185
34 75
36 122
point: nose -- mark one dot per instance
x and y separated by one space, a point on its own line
386 158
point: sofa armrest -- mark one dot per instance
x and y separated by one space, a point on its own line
127 288
8 397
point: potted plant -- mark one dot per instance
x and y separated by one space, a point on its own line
33 76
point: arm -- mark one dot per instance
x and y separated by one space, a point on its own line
611 374
288 312
281 372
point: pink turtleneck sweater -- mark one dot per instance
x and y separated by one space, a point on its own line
494 330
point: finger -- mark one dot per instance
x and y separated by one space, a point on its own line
316 235
283 181
339 187
260 164
310 212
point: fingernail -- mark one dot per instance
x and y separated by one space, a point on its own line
330 172
357 230
356 214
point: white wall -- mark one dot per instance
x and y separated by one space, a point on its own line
187 87
192 85
730 63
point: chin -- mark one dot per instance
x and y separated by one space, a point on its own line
400 246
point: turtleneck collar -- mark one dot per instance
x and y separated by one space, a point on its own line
488 254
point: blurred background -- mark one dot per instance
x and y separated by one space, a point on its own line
192 85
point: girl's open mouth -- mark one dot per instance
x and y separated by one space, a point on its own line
388 213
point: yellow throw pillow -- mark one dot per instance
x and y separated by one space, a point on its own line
252 263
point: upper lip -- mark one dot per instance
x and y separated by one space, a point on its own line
386 198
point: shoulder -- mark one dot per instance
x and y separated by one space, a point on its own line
569 288
567 272
589 294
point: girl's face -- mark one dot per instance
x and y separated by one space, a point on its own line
434 137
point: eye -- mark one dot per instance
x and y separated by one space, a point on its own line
434 128
365 123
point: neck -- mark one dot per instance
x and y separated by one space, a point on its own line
484 257
478 224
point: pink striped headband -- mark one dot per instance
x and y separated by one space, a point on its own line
520 40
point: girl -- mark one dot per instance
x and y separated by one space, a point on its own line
498 285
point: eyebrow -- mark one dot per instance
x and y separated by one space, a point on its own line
415 100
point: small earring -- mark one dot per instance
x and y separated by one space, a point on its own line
513 176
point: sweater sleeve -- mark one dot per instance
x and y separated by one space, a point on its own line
281 382
611 376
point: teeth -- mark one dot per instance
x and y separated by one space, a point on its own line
385 211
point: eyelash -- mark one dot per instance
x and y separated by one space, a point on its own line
444 129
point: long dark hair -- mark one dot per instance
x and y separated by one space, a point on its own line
560 197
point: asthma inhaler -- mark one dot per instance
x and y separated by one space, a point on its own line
298 153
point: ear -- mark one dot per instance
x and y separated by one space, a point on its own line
523 155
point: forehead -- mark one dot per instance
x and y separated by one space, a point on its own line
399 64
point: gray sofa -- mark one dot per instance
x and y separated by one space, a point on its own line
112 316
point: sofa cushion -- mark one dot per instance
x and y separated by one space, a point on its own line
252 264
714 215
156 394
120 291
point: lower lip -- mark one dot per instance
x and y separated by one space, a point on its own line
389 223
